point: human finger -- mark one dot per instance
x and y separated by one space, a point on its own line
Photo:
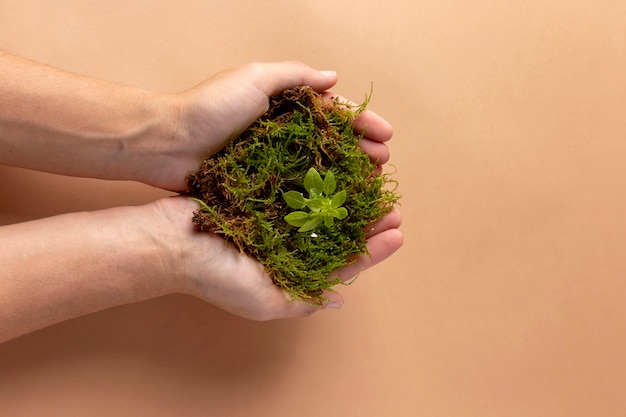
274 77
380 247
367 123
373 126
378 152
281 305
330 300
391 220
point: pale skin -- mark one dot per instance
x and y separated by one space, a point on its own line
62 267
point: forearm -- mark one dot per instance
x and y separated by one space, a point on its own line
70 265
55 121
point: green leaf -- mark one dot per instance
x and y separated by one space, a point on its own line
294 199
328 221
310 225
315 204
338 199
342 213
297 218
313 182
203 205
330 184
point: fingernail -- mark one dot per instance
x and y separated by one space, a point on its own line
334 305
329 73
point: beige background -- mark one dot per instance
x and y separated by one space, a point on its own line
509 296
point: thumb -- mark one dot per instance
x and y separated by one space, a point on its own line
272 78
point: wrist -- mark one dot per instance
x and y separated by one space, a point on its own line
165 226
158 150
131 254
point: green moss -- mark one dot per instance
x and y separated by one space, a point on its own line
241 191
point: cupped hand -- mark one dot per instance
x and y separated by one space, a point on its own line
207 117
205 266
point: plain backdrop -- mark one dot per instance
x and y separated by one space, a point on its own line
509 295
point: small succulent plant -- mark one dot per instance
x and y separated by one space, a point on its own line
323 203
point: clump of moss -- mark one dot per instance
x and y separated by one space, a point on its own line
297 163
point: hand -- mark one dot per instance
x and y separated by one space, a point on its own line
207 117
213 113
203 265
